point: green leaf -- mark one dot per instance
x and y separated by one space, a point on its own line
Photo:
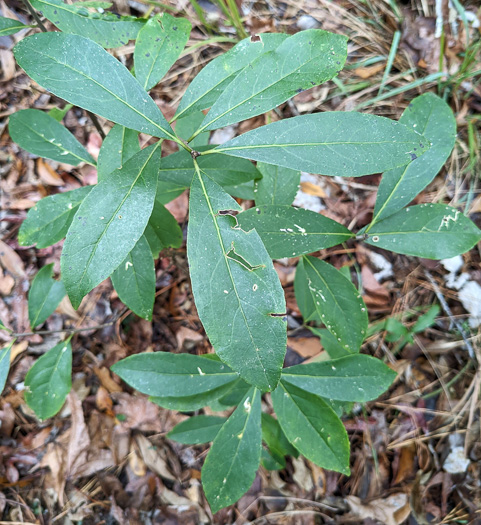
107 29
82 73
42 135
186 126
312 427
277 186
330 343
108 223
356 377
9 26
276 440
95 4
214 78
162 231
235 287
232 462
161 374
49 220
5 364
331 143
44 296
303 60
179 169
158 46
427 320
290 232
235 395
197 429
432 117
59 113
49 381
432 231
134 280
191 403
118 147
269 462
324 294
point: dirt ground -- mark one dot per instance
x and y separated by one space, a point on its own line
104 459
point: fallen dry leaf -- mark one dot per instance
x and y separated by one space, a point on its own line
152 458
392 510
368 72
47 174
7 64
313 189
186 334
79 439
138 412
11 261
305 346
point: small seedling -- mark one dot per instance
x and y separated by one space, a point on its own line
118 227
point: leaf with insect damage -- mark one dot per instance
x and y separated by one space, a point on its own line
107 29
433 118
158 46
236 289
432 231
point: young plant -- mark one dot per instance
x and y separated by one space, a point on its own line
119 226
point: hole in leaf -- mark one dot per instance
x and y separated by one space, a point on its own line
234 256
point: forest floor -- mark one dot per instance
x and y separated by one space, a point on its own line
416 451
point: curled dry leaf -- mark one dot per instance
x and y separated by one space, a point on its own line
11 261
47 174
152 458
392 510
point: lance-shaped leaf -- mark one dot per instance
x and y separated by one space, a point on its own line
49 381
108 223
197 429
83 73
303 60
290 232
161 374
107 29
191 403
277 186
49 220
235 395
134 280
356 377
276 440
5 364
44 295
214 78
432 231
433 118
118 147
59 113
330 343
42 135
162 231
324 294
332 143
158 46
236 289
178 168
312 427
9 26
232 462
185 127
